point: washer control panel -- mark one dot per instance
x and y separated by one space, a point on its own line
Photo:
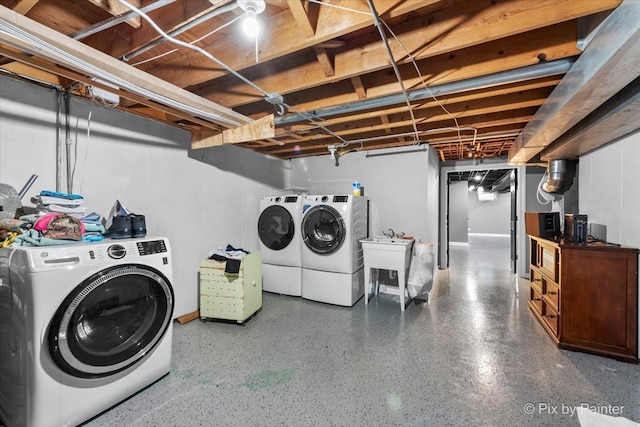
151 247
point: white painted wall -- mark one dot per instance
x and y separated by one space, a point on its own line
401 187
490 217
609 192
200 200
459 212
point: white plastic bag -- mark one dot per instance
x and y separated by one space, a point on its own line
421 270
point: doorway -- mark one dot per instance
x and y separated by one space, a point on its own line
480 203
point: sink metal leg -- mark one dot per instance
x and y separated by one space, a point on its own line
402 285
367 277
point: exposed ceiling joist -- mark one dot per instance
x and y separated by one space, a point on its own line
608 64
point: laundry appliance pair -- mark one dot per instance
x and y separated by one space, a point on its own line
311 247
82 327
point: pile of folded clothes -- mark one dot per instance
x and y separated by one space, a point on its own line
54 201
60 220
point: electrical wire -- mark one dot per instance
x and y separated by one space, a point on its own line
226 67
192 42
424 83
326 3
378 25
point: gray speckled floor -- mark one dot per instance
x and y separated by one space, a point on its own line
474 355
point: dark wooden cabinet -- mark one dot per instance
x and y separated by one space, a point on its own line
586 296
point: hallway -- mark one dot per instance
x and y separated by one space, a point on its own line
472 356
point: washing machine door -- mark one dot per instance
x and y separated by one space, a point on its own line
276 227
111 321
323 229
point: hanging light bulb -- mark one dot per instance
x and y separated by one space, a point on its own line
250 23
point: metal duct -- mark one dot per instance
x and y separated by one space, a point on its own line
543 69
555 170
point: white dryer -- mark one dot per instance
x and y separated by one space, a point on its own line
332 257
82 327
280 243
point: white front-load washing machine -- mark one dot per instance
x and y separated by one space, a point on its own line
281 244
82 327
332 257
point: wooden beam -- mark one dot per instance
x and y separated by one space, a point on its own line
205 139
325 62
555 42
301 17
77 53
169 17
63 73
24 6
259 129
116 8
285 37
356 81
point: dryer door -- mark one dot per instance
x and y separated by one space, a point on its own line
276 227
323 229
111 321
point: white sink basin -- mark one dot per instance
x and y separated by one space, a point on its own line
387 253
389 240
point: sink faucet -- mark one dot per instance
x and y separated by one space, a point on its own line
389 233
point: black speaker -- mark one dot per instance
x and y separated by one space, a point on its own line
575 229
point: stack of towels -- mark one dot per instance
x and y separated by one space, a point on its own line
53 201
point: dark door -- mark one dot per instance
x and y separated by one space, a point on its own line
513 186
111 321
323 229
276 228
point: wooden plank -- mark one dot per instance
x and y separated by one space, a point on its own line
205 139
556 42
259 129
137 78
358 86
169 17
189 317
263 128
325 61
78 77
284 37
24 6
301 17
116 8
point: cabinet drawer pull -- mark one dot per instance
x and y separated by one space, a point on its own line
536 299
552 293
550 316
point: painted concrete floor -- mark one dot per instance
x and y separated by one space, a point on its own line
472 356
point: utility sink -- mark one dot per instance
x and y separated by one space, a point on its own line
389 240
387 253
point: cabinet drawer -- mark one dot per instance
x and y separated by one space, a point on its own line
536 281
551 294
536 300
551 318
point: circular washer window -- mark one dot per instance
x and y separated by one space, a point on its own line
276 228
323 229
111 321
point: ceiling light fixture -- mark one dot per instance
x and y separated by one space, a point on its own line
250 23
